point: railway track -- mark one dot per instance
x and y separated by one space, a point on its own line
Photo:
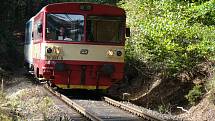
70 112
132 109
106 109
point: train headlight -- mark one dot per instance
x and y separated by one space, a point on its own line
57 50
49 50
110 52
54 53
119 53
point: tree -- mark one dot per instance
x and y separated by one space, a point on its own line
170 35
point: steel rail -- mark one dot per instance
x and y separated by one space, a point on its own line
131 109
74 105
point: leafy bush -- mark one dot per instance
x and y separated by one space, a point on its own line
168 34
194 94
165 109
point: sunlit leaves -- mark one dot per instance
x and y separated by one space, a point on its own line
178 34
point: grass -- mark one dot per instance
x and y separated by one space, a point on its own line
4 113
25 104
195 94
211 88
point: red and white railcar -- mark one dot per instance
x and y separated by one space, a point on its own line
77 45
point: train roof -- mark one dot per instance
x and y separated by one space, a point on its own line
75 7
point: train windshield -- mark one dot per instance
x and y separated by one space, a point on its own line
105 29
66 27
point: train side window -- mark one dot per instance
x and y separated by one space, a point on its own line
39 28
32 35
28 33
37 34
27 38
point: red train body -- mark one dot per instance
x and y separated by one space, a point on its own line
77 45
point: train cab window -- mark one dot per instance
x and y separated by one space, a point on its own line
105 29
66 27
28 33
37 35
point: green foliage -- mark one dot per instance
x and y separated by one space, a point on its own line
44 105
211 86
2 98
12 21
194 94
169 34
4 117
165 109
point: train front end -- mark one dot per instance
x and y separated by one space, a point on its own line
83 48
